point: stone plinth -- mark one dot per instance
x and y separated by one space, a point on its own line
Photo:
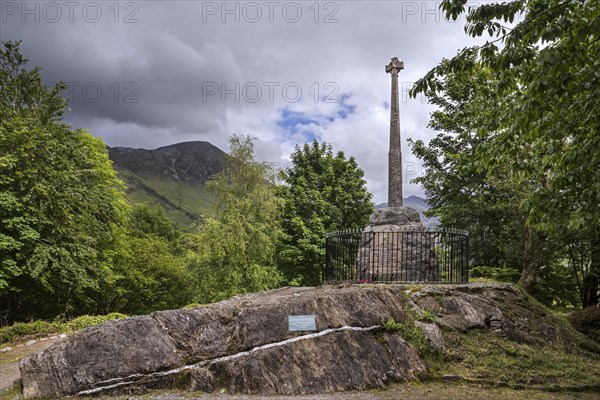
400 216
396 246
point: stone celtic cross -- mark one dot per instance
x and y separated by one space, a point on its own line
395 154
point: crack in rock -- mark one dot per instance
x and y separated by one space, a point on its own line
135 378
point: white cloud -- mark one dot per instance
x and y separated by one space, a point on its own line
179 57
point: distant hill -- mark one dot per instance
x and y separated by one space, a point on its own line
419 204
171 176
174 177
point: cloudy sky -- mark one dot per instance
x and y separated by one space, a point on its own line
152 73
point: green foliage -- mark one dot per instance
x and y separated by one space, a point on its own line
524 143
410 331
60 200
149 273
391 326
18 329
150 266
427 316
556 286
510 275
464 192
323 192
146 221
69 245
236 250
85 321
482 356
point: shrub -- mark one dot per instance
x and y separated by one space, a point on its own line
427 316
410 331
391 326
510 275
90 320
19 329
195 305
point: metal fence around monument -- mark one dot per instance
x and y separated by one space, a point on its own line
404 256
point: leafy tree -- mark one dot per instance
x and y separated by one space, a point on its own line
323 192
148 266
236 250
552 56
60 199
21 91
147 221
462 190
148 275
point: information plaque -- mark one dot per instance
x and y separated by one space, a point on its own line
299 323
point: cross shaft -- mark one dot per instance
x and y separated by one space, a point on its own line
395 153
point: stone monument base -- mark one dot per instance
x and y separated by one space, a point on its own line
395 247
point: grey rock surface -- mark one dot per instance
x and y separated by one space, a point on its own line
394 216
434 336
339 361
242 344
111 350
108 354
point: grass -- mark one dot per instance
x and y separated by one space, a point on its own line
391 326
446 391
404 391
411 332
21 330
482 356
14 393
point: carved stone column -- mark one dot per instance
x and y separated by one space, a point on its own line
395 153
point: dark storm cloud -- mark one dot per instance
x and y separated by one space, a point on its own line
149 73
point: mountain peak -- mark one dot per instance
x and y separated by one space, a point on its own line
189 162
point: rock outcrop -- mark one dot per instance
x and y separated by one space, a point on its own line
341 360
243 344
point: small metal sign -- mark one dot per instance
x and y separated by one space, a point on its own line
298 323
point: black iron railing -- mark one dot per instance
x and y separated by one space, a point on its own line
397 255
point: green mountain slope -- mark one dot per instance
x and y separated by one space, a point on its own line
172 177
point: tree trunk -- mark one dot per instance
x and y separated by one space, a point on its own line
591 282
65 312
532 255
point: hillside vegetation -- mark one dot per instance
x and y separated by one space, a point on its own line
186 204
171 177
